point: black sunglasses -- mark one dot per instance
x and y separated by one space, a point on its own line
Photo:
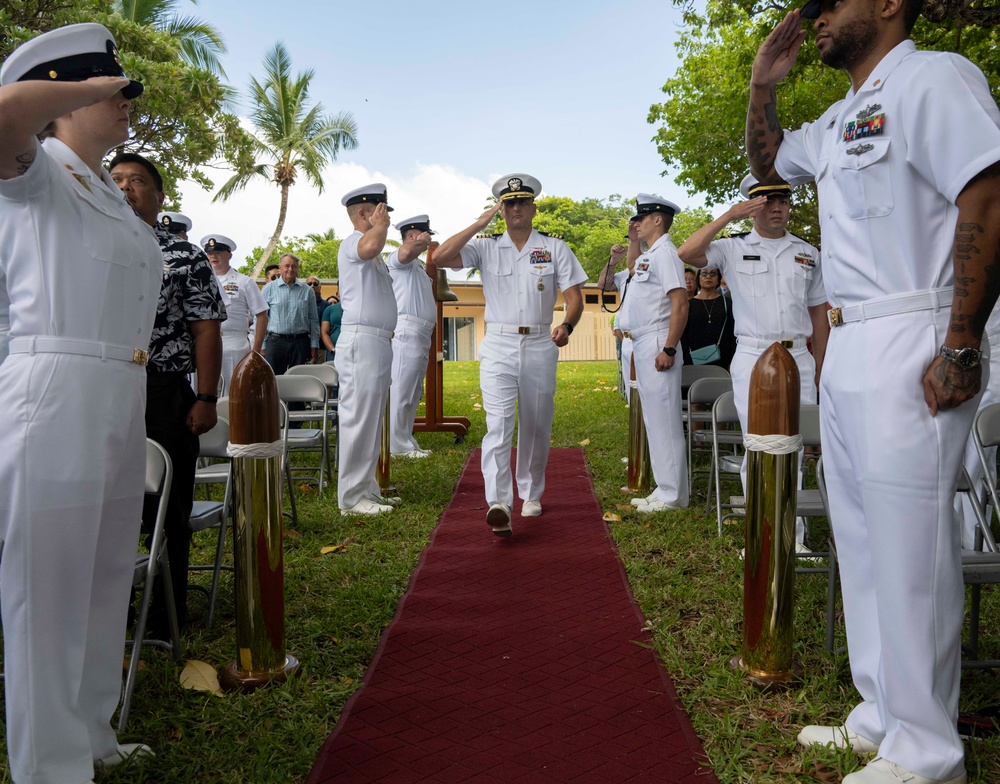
314 284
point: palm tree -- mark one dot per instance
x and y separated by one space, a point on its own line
291 134
201 44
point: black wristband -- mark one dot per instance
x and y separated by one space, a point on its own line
204 398
569 327
669 351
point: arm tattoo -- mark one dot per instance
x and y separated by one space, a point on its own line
970 313
24 161
763 135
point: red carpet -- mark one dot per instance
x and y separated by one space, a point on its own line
516 660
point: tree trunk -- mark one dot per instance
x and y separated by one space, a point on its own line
273 242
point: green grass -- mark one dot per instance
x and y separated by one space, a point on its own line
687 580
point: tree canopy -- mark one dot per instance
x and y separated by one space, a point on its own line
179 120
318 253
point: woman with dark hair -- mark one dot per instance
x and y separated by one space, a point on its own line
709 338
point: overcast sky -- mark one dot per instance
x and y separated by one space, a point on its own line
448 96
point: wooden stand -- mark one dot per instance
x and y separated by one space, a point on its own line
434 419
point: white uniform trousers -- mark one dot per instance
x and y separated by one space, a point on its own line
991 395
660 392
740 369
891 473
517 371
235 346
410 351
72 472
364 363
627 366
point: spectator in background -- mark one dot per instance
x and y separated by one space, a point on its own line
709 338
293 324
330 327
691 284
271 272
321 304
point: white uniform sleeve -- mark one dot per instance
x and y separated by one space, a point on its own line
672 273
255 300
32 181
951 122
349 248
4 315
816 295
393 261
472 253
798 154
569 271
717 255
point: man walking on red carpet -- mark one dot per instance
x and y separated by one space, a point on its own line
521 270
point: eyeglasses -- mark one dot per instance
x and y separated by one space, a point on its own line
708 273
313 283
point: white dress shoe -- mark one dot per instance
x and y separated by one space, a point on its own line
842 737
366 507
653 504
391 500
498 518
413 453
127 752
881 771
531 509
639 501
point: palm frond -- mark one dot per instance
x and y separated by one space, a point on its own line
240 180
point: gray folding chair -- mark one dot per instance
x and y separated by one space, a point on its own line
207 514
703 392
726 464
148 567
326 373
310 390
981 566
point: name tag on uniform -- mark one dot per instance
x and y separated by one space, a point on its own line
751 258
806 261
540 256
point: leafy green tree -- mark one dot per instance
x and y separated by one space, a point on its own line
201 44
318 256
179 121
291 134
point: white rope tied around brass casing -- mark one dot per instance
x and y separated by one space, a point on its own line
774 444
274 449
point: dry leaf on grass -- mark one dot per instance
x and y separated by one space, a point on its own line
824 773
336 548
200 676
307 488
288 533
611 517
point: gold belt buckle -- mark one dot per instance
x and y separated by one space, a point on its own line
787 343
836 317
524 330
628 334
140 356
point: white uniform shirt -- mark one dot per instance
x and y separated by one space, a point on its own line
365 288
520 285
412 288
72 245
621 315
889 162
658 271
243 301
773 282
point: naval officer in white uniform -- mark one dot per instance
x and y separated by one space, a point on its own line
657 315
81 276
176 223
521 270
364 349
777 292
906 166
619 281
415 323
244 303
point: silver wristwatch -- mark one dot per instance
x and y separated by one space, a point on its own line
966 358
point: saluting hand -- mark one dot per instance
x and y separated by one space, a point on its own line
105 86
779 51
618 252
380 217
421 242
484 220
746 209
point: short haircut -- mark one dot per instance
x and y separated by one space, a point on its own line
291 256
269 267
131 157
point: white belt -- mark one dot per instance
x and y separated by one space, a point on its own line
382 333
514 329
784 342
85 348
638 332
242 334
415 320
932 299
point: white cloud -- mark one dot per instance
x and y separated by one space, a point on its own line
453 200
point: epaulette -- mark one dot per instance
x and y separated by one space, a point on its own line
738 235
807 242
550 234
494 236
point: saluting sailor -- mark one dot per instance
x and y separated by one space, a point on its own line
414 329
521 270
176 223
657 314
619 281
244 302
81 277
364 349
777 291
